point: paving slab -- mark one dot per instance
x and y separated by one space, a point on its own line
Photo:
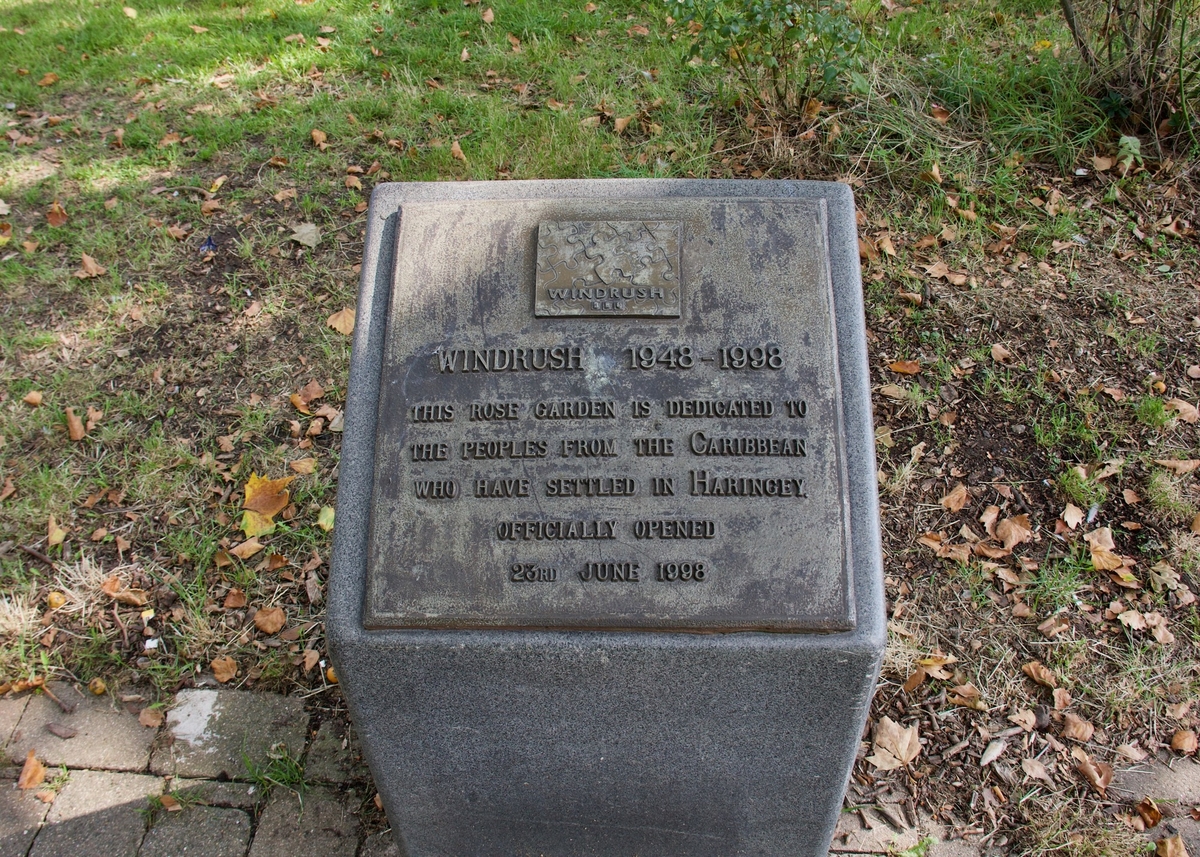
20 815
10 715
213 733
886 830
382 844
107 737
215 793
321 822
333 755
97 814
1174 787
198 831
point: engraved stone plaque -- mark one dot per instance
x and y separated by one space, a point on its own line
606 577
615 415
625 268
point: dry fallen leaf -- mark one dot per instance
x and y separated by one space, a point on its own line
48 79
303 466
1170 846
1186 410
968 696
1180 467
115 589
895 746
905 367
1149 811
56 215
488 15
270 620
1038 671
90 268
994 750
1001 354
234 599
246 549
224 668
1072 516
151 718
1076 728
1184 741
33 773
33 398
1098 774
1102 546
265 498
1062 699
75 428
457 152
1014 531
1036 770
342 321
957 498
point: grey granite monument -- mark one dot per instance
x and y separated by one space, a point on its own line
606 573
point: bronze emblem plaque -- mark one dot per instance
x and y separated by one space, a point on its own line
615 415
625 268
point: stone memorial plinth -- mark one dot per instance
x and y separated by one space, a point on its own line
606 575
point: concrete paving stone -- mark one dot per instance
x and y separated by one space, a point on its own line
107 736
20 815
198 831
214 793
97 814
213 733
10 715
382 844
333 755
1176 788
885 835
321 822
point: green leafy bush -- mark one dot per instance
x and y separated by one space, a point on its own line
784 53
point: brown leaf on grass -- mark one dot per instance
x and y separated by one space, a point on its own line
1184 741
310 392
1186 410
621 123
1098 774
938 543
967 696
905 367
1002 355
515 42
456 152
957 498
1103 550
1076 728
319 137
151 718
89 269
1149 811
234 599
33 772
179 231
270 620
353 182
342 321
311 658
246 549
638 30
1170 846
1034 769
115 589
210 207
488 15
56 215
94 415
48 79
265 498
9 488
54 533
895 746
1062 699
33 398
1025 718
1014 531
940 114
196 29
1072 516
75 428
1180 467
171 139
1054 626
224 668
303 466
1157 623
1041 674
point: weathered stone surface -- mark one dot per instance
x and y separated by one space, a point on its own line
215 732
20 815
382 844
10 715
97 814
603 742
198 831
215 793
1175 788
333 755
320 823
107 736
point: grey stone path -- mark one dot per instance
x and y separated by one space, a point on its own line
217 747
